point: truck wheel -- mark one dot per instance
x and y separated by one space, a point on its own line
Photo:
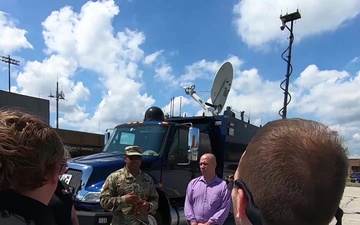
155 219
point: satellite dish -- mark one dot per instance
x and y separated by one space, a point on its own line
221 86
219 91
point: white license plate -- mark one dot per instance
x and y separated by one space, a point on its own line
66 178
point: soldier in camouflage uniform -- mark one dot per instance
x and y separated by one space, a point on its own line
129 192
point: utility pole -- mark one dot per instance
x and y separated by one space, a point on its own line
9 61
285 19
58 96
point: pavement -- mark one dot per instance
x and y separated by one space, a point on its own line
350 204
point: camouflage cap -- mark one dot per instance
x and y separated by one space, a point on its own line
133 150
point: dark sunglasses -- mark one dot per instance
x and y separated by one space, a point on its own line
134 157
253 213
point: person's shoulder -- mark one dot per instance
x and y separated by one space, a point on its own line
195 180
221 182
223 185
7 218
118 174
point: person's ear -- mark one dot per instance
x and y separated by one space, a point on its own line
53 178
241 204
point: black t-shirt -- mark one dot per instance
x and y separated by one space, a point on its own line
28 208
61 204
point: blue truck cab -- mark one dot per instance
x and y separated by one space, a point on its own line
171 148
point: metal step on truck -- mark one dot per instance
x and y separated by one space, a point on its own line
171 149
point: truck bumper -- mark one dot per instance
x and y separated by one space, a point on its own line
94 218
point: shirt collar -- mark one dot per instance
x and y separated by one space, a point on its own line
216 179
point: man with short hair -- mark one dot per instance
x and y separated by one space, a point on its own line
31 160
292 172
129 192
207 199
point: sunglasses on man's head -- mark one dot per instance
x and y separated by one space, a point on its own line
254 214
134 157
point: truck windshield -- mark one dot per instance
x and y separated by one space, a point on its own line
149 137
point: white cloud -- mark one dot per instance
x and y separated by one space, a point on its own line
164 73
39 79
257 21
256 96
150 59
12 38
163 70
90 44
176 107
311 76
205 70
331 95
356 137
355 60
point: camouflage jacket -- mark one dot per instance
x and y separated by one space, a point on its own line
120 183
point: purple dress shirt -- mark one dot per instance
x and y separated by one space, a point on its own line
207 202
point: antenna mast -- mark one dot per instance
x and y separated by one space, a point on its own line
59 96
284 19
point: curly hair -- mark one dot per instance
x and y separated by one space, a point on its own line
30 151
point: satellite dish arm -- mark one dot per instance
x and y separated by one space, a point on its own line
190 91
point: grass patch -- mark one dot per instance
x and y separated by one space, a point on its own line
351 184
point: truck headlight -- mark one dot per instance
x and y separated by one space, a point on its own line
92 197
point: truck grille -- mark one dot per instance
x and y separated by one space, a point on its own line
75 179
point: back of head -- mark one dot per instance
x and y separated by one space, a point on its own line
296 171
30 150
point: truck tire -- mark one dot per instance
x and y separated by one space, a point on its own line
155 219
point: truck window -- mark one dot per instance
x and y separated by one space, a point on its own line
149 137
127 138
205 144
178 149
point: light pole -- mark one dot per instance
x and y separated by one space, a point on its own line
58 96
285 19
9 61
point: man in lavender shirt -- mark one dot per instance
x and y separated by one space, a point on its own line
207 199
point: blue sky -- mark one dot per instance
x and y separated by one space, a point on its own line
114 59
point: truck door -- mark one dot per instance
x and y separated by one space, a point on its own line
175 177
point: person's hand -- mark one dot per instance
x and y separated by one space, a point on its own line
141 207
194 223
131 198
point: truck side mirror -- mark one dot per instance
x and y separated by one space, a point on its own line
193 146
106 137
193 143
